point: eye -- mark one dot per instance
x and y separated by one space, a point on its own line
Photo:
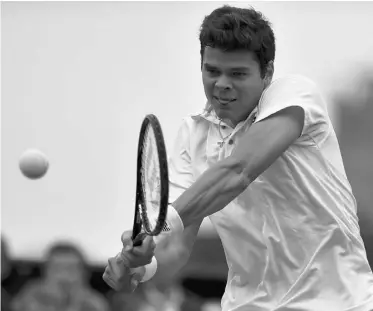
239 74
212 71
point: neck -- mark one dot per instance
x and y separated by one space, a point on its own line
230 123
234 123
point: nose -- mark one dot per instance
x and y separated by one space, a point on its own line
223 83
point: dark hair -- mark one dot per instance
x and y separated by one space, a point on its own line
63 247
230 28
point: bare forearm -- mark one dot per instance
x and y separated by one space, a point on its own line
215 189
169 263
173 251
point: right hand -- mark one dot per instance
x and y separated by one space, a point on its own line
137 256
126 269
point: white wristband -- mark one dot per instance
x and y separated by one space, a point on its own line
175 225
150 270
174 221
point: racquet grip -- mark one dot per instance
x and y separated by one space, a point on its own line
173 221
139 239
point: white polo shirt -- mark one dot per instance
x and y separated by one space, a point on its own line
291 239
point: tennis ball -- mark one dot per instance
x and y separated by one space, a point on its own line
33 164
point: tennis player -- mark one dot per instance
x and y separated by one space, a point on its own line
262 160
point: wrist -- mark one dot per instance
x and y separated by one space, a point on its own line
149 270
174 220
138 271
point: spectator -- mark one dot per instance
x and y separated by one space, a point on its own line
5 271
162 293
64 284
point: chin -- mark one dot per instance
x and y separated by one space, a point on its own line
223 113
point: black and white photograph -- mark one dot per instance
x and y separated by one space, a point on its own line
186 156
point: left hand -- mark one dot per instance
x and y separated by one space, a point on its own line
120 277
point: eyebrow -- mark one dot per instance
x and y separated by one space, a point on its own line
241 68
207 65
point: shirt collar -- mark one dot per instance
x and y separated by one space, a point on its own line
209 114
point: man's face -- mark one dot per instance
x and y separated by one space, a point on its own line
65 269
233 83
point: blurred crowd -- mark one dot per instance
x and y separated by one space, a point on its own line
64 285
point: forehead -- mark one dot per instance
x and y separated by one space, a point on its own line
230 59
64 258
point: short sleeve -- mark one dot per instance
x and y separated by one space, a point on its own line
302 92
179 163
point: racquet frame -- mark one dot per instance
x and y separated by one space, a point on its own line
141 220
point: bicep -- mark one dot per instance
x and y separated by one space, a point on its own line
267 139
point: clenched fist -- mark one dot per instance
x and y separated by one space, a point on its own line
126 269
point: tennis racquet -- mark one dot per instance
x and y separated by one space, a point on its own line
152 182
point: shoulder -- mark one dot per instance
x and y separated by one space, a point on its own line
288 82
32 287
95 300
300 91
290 87
30 291
292 90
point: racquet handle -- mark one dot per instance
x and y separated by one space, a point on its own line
139 238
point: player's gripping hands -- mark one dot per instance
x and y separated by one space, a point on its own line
124 271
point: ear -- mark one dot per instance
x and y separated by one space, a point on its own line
269 74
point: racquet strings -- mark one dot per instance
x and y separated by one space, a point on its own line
151 178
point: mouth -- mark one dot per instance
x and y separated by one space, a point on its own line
224 101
